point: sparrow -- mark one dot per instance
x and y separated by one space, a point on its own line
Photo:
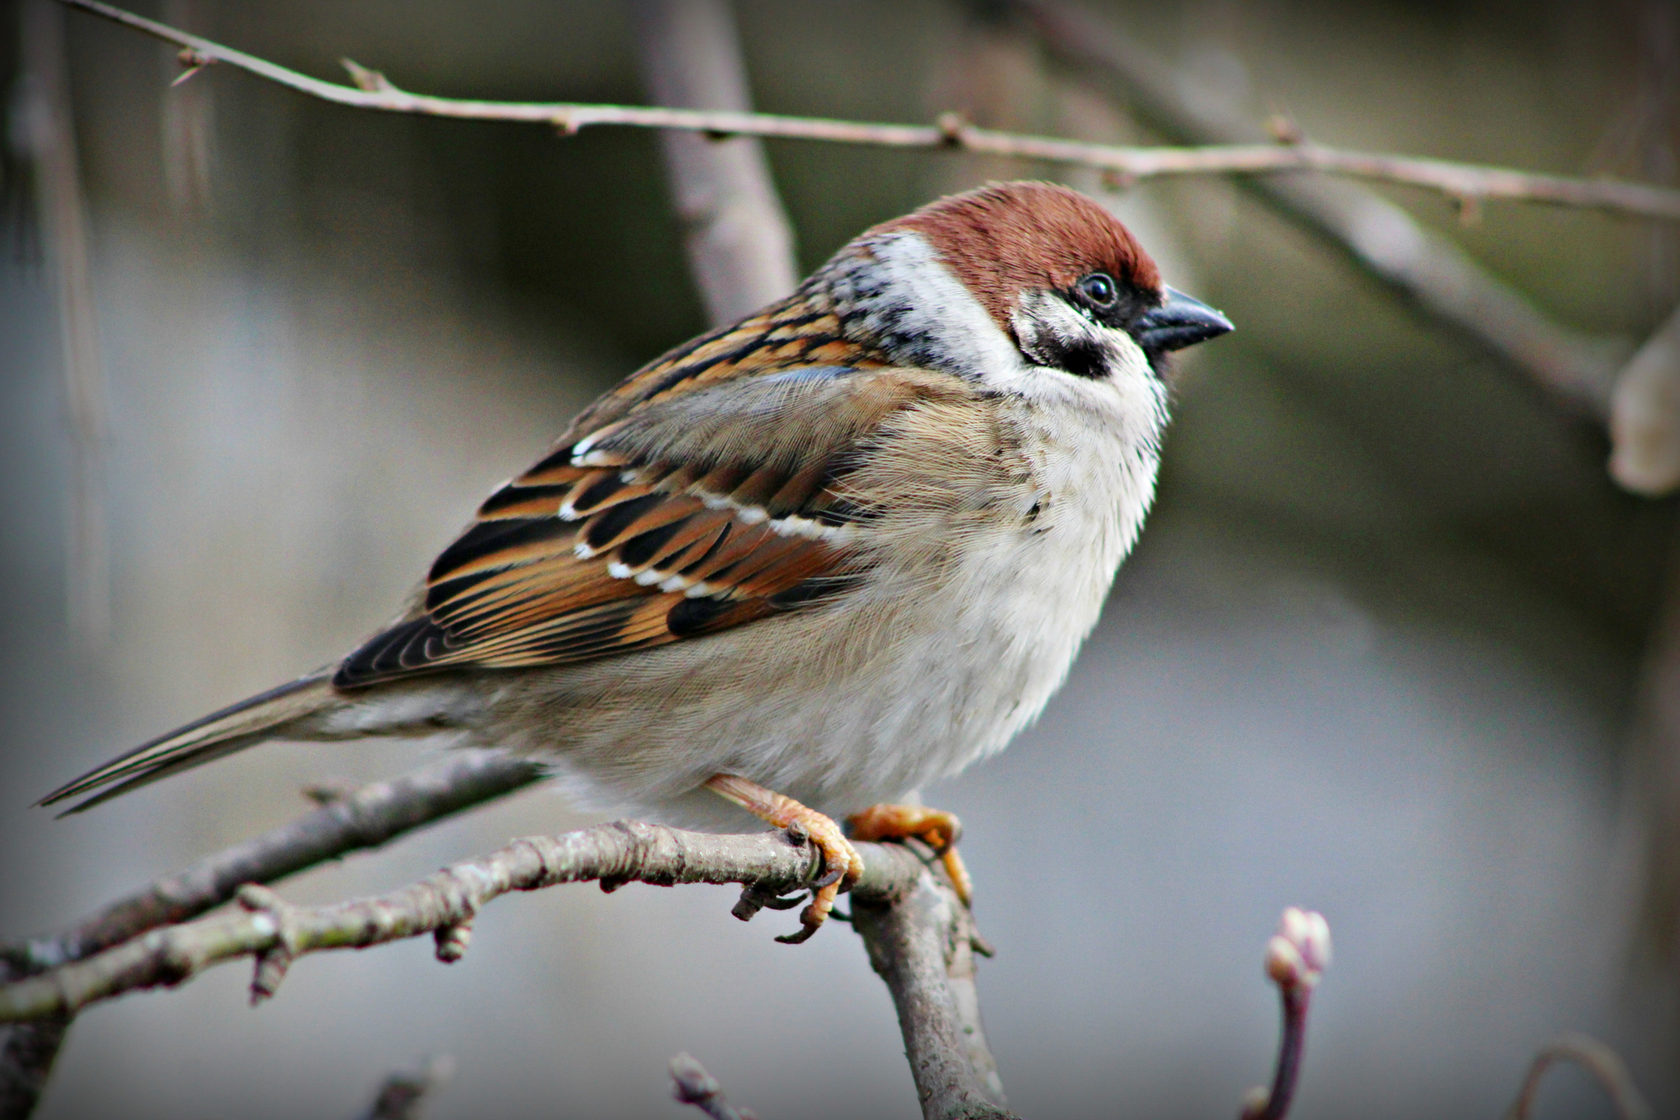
803 564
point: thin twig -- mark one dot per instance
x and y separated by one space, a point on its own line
740 245
1458 180
1296 958
1428 270
693 1085
1603 1063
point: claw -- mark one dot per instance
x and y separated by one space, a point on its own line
841 864
934 827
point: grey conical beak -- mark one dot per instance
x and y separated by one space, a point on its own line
1180 322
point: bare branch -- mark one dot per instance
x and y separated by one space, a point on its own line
1296 958
923 947
740 246
276 933
1458 180
1645 415
354 822
1603 1063
1428 270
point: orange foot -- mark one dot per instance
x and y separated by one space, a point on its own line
841 864
934 827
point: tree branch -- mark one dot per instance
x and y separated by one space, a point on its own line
275 933
358 821
1602 1063
923 947
1379 238
44 125
917 934
740 245
1459 180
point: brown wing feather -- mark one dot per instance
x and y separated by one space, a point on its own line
703 493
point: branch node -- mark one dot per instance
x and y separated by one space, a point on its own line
1469 208
755 898
953 129
565 123
272 962
192 61
1117 180
452 940
330 791
1285 129
270 970
366 80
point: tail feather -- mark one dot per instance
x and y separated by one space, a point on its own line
241 725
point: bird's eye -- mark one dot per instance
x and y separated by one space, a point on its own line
1099 289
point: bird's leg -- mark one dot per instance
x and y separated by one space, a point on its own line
934 827
841 864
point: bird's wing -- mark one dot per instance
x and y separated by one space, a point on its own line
706 492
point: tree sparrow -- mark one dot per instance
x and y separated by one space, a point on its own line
810 561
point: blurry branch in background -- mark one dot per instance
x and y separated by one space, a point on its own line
740 245
1458 180
693 1085
1605 1066
42 120
1645 415
406 1092
188 131
1378 237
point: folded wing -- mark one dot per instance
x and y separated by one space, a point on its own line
706 507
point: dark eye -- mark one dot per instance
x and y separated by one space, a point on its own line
1099 289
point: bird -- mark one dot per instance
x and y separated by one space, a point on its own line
803 564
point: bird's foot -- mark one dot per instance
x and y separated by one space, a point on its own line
934 827
841 863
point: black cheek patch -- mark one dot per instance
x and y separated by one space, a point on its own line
1082 359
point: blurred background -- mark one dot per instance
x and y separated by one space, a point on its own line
1392 646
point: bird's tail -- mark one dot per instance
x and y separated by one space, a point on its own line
266 715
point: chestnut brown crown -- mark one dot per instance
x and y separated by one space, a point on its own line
1008 238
